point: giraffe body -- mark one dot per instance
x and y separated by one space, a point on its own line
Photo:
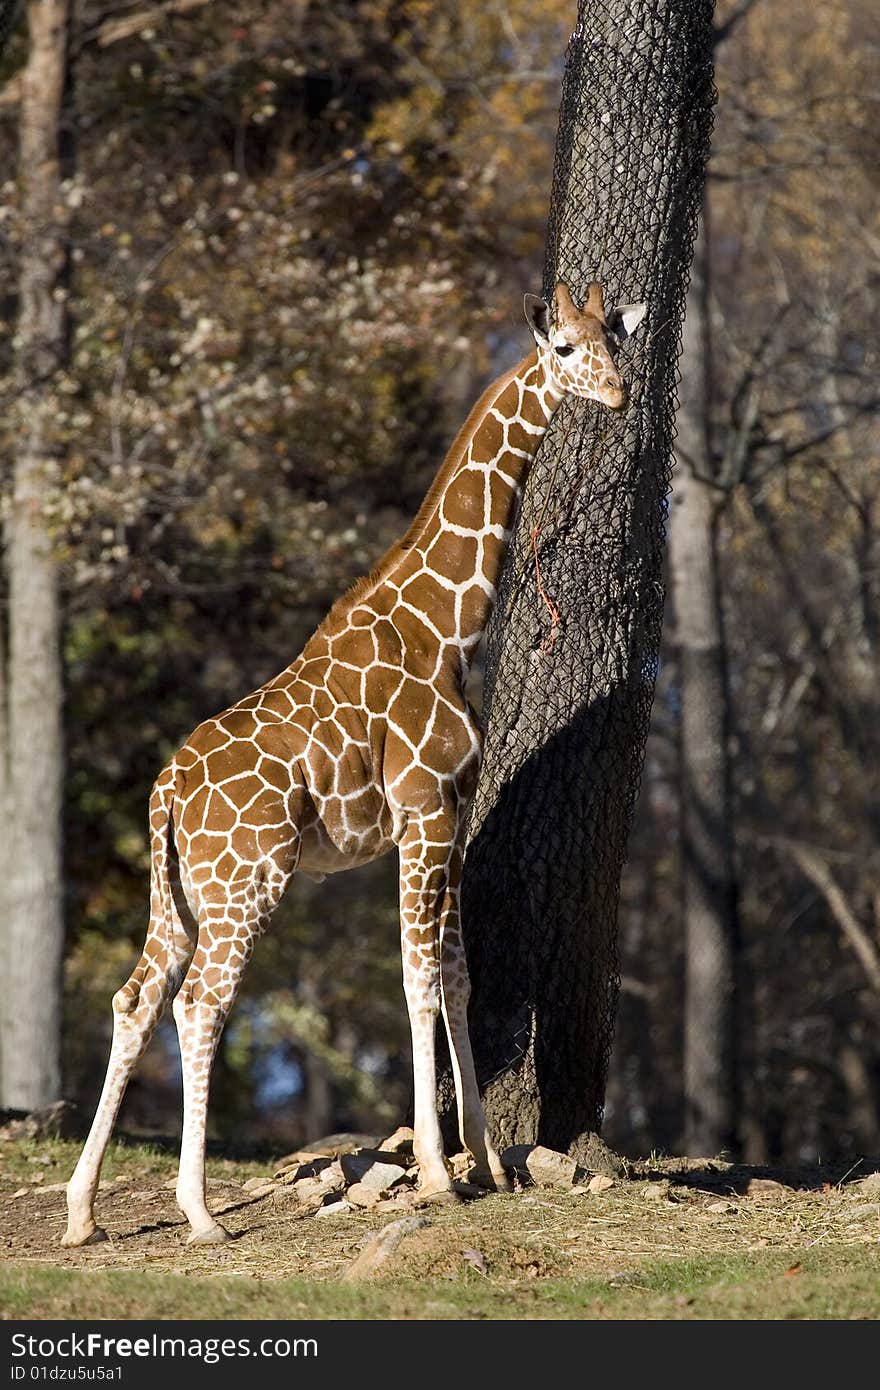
366 742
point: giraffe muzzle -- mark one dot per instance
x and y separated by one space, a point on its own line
615 393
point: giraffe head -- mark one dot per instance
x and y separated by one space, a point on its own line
576 347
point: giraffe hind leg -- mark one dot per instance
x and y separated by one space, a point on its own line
137 1008
488 1170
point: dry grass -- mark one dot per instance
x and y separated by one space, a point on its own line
710 1234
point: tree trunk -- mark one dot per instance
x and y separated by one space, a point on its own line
708 886
567 711
32 917
863 1119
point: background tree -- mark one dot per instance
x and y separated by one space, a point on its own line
31 736
708 887
791 255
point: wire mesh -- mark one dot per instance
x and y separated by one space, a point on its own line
567 711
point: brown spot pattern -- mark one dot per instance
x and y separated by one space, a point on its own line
365 742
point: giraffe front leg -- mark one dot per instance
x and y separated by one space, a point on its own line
422 876
422 987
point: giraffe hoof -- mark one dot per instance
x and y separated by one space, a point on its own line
70 1240
442 1196
213 1235
492 1182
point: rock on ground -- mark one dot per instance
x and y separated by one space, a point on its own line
257 1187
868 1186
766 1188
401 1141
372 1168
600 1183
362 1195
335 1207
55 1121
544 1167
331 1146
383 1243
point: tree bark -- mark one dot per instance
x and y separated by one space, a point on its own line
567 714
708 884
32 914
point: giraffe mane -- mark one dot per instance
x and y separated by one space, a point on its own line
411 537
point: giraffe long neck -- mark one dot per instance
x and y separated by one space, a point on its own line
449 562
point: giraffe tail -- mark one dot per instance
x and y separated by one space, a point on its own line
171 937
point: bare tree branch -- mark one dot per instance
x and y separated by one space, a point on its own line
815 867
734 19
114 30
108 32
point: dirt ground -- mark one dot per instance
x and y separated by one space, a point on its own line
663 1216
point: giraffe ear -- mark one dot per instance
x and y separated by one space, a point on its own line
625 319
537 316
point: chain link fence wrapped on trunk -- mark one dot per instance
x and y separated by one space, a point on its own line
573 645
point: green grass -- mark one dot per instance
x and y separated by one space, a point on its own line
55 1158
831 1283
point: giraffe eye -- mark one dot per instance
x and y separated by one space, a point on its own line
564 350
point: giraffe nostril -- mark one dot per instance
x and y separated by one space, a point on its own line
616 392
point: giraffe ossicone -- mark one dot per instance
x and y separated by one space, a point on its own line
366 742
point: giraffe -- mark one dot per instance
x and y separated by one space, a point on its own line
364 743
